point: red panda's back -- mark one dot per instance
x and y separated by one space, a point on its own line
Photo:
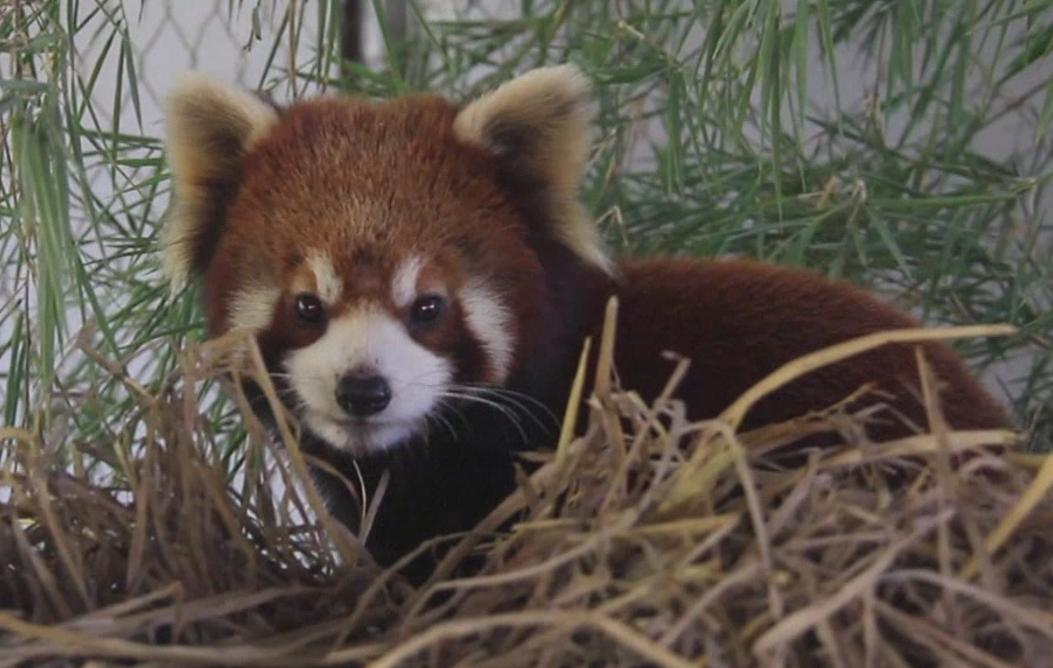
738 321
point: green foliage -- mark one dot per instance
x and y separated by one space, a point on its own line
851 136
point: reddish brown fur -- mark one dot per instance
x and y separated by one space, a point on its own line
439 195
737 321
370 182
469 210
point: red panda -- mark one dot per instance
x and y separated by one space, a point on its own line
420 277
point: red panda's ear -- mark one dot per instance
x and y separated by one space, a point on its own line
209 127
541 120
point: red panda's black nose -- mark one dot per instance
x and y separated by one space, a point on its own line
363 395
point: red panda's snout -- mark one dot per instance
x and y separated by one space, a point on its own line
368 368
366 384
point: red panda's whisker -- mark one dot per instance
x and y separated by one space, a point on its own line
453 408
507 403
442 421
519 399
504 410
514 401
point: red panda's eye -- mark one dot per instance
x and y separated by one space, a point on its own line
309 308
427 309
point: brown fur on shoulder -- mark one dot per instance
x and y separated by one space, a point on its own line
739 320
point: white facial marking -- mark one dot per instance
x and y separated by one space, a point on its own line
404 285
329 284
373 339
252 307
490 321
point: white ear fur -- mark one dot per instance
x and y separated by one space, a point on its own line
542 119
209 127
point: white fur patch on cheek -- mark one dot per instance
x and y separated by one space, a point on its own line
329 284
404 285
367 339
252 307
489 319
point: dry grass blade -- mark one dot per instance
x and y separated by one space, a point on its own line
1036 492
734 414
810 617
819 563
614 630
574 401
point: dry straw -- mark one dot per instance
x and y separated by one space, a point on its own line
649 540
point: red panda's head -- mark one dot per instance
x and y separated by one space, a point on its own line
386 255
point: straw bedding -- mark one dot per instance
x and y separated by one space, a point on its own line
647 540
